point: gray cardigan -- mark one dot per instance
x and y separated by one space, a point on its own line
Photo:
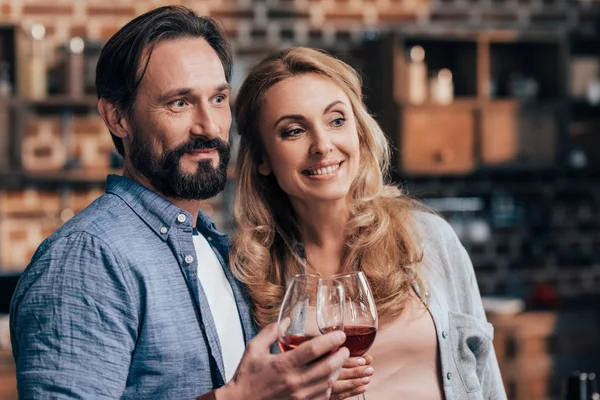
469 365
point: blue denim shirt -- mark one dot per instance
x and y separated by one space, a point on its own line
111 305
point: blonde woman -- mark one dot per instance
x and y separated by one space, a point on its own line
312 197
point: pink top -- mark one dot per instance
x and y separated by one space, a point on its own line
406 357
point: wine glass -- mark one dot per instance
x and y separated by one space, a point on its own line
311 307
360 314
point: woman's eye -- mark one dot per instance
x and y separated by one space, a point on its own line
338 122
292 132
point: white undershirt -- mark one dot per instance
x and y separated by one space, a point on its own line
222 305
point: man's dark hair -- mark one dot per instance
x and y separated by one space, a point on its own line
118 73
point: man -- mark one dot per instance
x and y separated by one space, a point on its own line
131 298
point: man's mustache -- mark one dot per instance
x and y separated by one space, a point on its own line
204 143
198 143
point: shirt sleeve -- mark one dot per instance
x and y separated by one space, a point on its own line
492 385
73 322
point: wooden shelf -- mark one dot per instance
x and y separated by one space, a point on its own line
62 101
19 179
52 102
583 104
459 102
79 175
9 179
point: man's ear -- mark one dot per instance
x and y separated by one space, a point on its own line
264 166
114 119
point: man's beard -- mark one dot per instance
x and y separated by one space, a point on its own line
167 177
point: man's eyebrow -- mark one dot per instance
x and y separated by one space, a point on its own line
223 87
186 91
174 93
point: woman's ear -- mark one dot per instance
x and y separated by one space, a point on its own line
264 166
114 119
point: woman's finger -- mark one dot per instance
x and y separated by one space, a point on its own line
356 373
348 393
355 362
348 385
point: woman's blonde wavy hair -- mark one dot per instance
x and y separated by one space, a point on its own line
381 236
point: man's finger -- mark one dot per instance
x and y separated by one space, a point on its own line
316 388
319 346
265 338
330 366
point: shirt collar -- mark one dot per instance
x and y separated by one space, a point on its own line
157 212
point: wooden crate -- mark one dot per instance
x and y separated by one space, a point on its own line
8 379
499 133
537 350
30 202
91 143
20 237
438 139
43 147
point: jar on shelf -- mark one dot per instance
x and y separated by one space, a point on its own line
35 74
5 83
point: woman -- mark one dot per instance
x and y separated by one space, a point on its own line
312 197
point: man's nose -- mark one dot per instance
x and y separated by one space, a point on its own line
205 122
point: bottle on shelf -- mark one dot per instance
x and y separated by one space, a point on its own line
582 386
75 67
442 87
5 83
35 82
417 76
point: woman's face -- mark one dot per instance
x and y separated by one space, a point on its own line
310 137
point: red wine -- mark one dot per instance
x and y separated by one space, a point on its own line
290 342
359 339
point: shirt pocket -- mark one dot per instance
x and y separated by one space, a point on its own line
471 340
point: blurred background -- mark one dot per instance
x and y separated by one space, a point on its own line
493 108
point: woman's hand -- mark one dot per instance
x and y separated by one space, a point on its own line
354 378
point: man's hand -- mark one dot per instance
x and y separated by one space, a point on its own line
297 374
354 378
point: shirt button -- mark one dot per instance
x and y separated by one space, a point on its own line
181 218
164 229
449 375
209 239
189 259
444 334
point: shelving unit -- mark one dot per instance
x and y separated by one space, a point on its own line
509 107
55 154
583 127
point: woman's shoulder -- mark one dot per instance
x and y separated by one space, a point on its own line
442 248
433 228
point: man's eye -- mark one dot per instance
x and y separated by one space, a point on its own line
220 98
180 103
